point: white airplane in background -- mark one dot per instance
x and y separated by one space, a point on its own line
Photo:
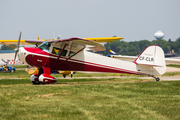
173 60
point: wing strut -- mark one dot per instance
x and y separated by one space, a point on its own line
71 56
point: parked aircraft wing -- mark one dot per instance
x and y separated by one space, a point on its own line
124 57
173 60
22 42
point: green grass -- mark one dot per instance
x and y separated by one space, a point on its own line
20 73
90 99
24 74
177 66
16 74
171 74
19 66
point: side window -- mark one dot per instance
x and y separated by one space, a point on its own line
57 51
63 53
71 53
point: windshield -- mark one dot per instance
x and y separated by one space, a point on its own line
45 46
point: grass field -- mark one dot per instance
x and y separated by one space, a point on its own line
91 99
88 98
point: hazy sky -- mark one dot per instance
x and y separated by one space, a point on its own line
132 19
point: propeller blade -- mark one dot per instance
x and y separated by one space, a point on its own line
19 40
17 49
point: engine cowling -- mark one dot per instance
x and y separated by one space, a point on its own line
45 78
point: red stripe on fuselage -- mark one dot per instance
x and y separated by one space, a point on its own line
70 65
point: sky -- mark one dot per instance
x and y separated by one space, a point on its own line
132 19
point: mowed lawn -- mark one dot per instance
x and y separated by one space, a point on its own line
90 99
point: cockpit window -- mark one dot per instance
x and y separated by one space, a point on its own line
71 53
45 46
57 51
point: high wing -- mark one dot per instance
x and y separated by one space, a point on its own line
30 42
104 39
73 43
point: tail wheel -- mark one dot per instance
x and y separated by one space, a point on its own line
157 79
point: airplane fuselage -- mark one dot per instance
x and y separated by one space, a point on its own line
83 61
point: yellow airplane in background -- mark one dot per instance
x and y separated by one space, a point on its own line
33 70
98 40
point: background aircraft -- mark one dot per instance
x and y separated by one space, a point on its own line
173 60
35 42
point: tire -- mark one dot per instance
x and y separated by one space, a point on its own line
12 71
157 79
35 83
64 76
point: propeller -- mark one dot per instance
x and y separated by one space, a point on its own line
5 61
17 49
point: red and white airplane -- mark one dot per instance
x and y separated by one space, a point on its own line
73 55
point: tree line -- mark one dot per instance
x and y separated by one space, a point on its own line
136 47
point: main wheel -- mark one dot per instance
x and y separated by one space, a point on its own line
34 79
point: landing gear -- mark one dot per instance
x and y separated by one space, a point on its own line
34 79
45 78
42 79
72 72
157 78
64 76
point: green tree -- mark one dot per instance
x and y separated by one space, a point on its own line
8 47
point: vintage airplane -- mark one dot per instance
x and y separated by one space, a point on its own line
73 55
173 60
